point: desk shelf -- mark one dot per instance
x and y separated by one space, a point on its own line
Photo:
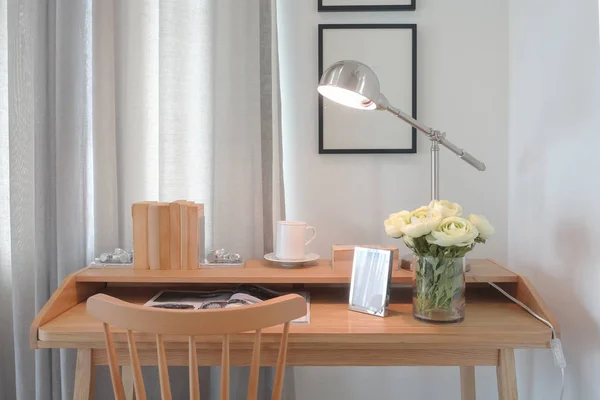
262 271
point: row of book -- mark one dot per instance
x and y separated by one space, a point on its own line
168 236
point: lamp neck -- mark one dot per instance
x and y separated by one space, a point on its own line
435 170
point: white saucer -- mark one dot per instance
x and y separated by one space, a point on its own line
310 257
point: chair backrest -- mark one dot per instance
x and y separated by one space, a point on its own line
192 323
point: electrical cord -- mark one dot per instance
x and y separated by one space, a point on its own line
555 343
562 383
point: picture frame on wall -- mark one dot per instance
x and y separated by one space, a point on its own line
344 130
366 5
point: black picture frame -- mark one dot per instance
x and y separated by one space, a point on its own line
410 150
368 7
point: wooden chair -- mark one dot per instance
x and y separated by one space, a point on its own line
118 313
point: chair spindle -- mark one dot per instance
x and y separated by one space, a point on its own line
280 371
254 368
138 380
163 370
115 374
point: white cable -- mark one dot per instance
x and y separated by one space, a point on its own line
555 343
526 308
562 383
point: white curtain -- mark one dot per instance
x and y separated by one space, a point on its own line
108 102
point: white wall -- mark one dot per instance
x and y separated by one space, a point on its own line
462 89
554 182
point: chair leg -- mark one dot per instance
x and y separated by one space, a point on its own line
127 376
467 382
84 376
507 375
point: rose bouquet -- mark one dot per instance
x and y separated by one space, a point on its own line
439 237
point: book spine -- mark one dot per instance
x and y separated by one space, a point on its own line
201 237
175 222
153 237
192 247
183 214
139 213
164 235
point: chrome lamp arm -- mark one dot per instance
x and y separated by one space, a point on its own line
433 135
436 138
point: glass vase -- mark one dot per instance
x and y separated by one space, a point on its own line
439 289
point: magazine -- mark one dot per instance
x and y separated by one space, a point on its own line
202 300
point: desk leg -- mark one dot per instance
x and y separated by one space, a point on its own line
127 377
467 383
507 375
84 376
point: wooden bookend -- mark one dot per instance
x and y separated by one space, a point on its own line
345 252
153 236
175 217
164 235
192 247
139 212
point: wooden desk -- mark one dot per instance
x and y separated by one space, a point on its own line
493 327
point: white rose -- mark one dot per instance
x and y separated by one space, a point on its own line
422 221
483 226
396 222
453 231
446 208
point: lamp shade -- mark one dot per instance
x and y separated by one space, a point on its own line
350 83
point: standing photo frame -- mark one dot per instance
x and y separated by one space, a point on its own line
345 131
371 280
366 5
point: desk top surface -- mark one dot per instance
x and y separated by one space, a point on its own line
262 271
491 322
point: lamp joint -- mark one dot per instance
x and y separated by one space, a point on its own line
436 136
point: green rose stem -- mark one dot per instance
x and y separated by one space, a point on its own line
438 282
438 275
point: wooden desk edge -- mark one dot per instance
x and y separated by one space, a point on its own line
66 296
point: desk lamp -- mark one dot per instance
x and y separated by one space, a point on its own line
353 84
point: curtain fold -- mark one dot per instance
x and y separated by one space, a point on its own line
107 102
7 349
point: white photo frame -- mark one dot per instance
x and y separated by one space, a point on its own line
371 279
394 59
